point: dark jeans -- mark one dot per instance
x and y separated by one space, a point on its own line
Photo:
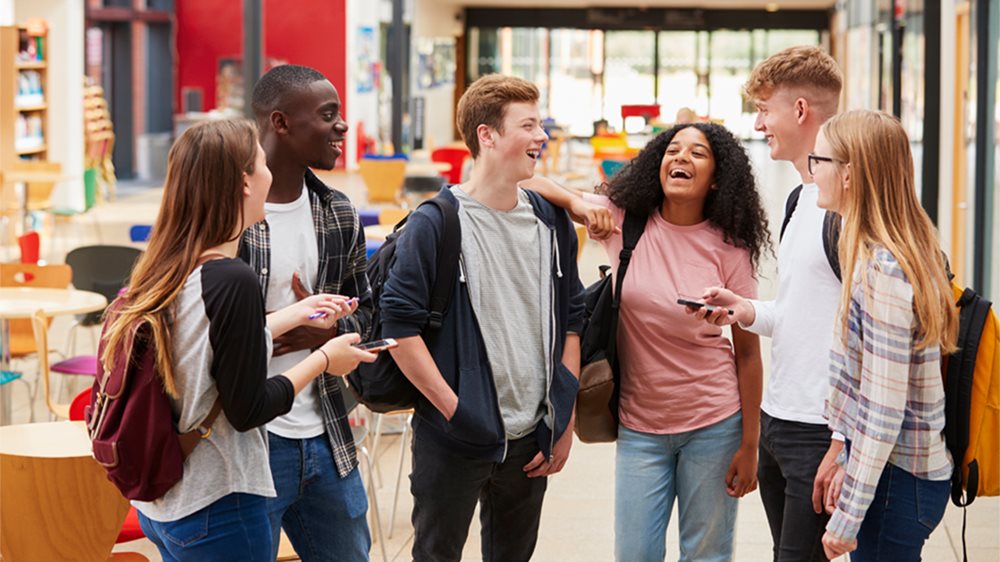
790 453
902 515
234 527
446 488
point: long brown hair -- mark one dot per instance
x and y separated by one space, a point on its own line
202 208
880 207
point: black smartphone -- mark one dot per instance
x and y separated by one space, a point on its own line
377 345
695 304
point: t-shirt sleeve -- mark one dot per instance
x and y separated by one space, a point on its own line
740 277
239 340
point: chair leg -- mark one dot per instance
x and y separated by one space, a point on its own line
377 523
403 443
71 339
376 439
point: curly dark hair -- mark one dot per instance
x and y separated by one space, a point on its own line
734 207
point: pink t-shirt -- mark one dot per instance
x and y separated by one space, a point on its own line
678 373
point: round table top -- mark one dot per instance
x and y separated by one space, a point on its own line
22 302
61 439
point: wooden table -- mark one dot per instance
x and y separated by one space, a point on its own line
22 302
56 502
27 177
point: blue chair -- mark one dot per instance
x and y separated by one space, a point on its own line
140 232
611 167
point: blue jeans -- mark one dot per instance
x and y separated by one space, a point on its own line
234 527
323 514
652 470
904 512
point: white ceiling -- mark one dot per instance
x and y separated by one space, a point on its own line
704 4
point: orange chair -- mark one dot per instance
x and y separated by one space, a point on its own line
453 155
130 528
383 178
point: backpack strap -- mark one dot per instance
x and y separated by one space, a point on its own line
203 430
631 232
447 260
191 439
790 204
958 392
831 241
831 230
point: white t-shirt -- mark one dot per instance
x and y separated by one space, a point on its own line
801 319
293 248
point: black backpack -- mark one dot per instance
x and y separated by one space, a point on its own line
382 386
600 377
831 230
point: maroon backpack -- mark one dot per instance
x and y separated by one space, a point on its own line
130 421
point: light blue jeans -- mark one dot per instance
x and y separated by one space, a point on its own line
652 470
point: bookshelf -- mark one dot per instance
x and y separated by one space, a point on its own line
24 94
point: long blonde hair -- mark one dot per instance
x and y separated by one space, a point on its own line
880 207
202 208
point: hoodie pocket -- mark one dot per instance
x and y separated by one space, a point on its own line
476 419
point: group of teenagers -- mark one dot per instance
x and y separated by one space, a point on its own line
254 283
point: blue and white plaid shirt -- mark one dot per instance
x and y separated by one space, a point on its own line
886 396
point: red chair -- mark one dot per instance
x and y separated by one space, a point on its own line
30 247
130 528
452 155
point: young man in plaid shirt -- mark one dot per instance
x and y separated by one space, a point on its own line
318 246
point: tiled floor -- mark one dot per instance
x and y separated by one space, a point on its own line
578 513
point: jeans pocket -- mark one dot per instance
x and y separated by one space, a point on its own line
931 500
187 530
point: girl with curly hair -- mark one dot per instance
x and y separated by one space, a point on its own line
690 399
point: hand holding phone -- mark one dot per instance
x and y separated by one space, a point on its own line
696 305
377 345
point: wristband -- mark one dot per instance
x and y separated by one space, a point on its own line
327 357
841 459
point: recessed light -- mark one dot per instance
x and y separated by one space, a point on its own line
771 6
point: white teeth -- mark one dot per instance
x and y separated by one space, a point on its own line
678 173
533 154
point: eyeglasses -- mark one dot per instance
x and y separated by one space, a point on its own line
815 158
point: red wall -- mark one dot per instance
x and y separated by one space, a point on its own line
306 32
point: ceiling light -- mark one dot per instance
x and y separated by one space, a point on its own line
771 6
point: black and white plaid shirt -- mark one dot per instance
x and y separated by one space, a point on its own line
342 259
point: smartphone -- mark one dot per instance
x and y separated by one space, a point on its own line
695 304
377 345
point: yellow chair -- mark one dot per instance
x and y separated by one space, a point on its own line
40 192
384 179
40 325
391 216
581 238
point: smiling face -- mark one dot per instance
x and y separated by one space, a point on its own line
315 128
516 150
829 176
687 170
778 118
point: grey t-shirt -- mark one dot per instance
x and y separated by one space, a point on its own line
507 259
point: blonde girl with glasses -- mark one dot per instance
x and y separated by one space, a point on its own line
896 320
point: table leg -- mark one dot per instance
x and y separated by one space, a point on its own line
5 400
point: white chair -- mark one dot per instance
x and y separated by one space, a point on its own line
360 434
403 445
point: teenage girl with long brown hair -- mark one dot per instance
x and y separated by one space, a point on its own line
213 343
